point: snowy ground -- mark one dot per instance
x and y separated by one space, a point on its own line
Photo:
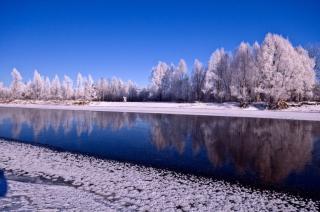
306 112
67 181
305 108
37 197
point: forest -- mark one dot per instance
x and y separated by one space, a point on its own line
269 72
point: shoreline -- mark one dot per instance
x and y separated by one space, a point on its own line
203 109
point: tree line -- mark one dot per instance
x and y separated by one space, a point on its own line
271 71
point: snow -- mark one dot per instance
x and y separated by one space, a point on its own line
310 112
87 183
24 196
305 108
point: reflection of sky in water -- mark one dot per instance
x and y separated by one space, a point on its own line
267 151
3 184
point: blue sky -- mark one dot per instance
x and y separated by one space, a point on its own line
127 38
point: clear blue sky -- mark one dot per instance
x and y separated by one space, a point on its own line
127 38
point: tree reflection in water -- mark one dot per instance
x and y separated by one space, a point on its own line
272 149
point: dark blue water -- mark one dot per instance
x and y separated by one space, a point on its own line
266 153
3 184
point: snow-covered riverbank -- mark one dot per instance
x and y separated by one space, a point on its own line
306 112
120 186
26 196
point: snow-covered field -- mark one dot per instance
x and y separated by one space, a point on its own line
68 181
306 112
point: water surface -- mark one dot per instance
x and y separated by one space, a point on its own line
3 184
266 153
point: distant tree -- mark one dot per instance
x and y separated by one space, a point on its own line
156 79
255 50
167 84
218 76
144 94
56 92
28 93
89 89
102 89
305 68
46 95
17 87
67 88
37 85
3 91
180 82
197 80
117 89
132 91
79 87
314 52
244 73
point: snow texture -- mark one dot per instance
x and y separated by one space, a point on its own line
86 183
24 196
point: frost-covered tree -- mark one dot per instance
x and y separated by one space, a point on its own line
67 88
197 80
218 76
102 89
4 92
170 82
2 96
285 72
144 94
117 89
56 92
79 87
37 85
256 76
156 79
28 93
180 82
89 89
17 86
305 66
132 91
314 52
47 89
244 72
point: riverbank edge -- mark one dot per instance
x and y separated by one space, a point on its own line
203 109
